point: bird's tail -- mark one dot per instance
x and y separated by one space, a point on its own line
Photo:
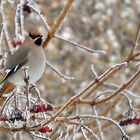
6 88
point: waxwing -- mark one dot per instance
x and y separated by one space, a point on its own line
30 54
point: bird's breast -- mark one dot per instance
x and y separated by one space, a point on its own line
36 66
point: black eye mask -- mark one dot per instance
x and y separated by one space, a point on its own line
38 40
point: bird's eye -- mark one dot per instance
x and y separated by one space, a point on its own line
38 40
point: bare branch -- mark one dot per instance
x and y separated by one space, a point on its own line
58 22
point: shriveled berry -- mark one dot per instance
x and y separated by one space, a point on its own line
4 119
27 8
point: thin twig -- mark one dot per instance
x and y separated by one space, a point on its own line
58 72
17 26
107 124
38 136
7 36
94 71
136 42
26 80
37 11
84 135
90 132
130 103
1 38
21 17
99 124
79 45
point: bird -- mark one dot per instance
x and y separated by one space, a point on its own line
31 55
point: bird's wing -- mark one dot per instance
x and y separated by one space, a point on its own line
15 62
18 57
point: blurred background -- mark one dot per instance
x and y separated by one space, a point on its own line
105 25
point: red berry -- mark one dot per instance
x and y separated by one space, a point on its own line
3 119
136 120
41 108
16 43
38 108
19 43
45 129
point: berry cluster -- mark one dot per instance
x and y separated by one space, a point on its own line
41 108
135 120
